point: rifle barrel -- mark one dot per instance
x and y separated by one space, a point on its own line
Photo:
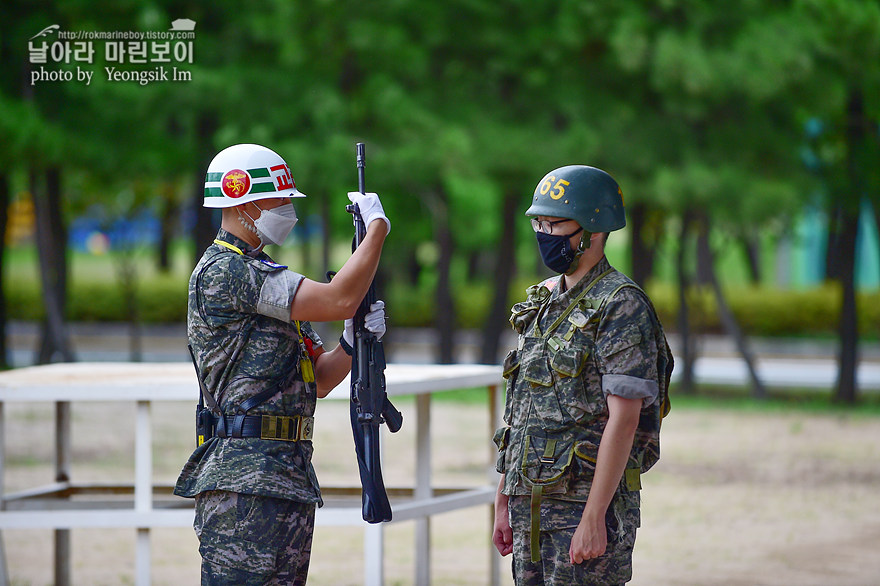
361 151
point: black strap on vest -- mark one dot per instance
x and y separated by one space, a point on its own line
205 397
238 421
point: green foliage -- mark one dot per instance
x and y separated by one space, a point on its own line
414 306
159 300
762 311
759 311
23 301
692 106
163 300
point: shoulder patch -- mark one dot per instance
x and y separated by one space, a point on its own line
273 265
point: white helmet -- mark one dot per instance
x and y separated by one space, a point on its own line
247 172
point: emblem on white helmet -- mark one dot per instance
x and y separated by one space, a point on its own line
247 172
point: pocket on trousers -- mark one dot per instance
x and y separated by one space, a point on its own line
235 560
623 518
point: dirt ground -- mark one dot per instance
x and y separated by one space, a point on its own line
737 499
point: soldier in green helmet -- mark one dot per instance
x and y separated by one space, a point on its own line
587 387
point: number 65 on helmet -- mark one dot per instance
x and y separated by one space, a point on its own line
587 195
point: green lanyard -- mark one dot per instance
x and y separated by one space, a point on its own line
569 309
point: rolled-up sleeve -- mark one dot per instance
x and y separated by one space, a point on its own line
630 387
626 349
277 293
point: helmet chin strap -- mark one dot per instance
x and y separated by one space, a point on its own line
583 245
249 226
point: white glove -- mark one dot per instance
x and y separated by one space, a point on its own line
370 206
348 332
374 321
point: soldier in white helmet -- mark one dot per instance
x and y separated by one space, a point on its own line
262 367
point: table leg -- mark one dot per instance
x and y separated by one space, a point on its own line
423 489
374 554
4 571
62 474
496 399
143 489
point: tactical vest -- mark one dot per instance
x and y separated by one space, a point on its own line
236 420
555 405
242 354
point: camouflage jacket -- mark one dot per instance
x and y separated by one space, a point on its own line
239 327
601 336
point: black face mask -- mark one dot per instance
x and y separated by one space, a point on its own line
556 252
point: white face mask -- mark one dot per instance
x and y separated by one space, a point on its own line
273 226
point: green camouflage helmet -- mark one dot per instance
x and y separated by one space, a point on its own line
587 195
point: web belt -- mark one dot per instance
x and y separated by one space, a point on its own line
269 427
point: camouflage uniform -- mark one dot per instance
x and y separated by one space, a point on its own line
247 539
239 327
575 347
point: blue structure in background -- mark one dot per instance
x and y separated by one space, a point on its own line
142 229
810 243
804 266
867 250
145 229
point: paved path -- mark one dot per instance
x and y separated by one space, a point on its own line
801 373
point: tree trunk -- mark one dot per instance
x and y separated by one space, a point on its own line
473 265
753 258
832 251
704 258
848 326
51 247
728 320
411 266
166 225
126 273
205 230
641 250
4 221
856 132
326 242
505 269
305 253
444 317
688 346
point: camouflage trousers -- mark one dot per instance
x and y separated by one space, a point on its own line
559 519
249 540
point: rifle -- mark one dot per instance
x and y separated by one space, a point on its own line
370 406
